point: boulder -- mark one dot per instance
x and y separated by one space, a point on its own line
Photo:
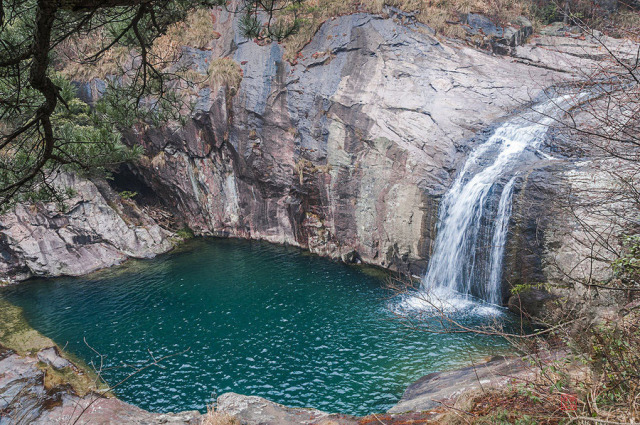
94 230
252 410
433 390
499 39
52 357
533 302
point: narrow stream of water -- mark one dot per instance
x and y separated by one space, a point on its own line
257 319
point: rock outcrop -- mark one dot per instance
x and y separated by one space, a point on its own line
28 397
499 39
345 153
95 229
443 388
251 410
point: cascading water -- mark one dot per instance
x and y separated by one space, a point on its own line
500 231
472 231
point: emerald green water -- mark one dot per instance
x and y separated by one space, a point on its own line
257 319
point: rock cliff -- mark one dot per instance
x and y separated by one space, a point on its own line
95 229
345 153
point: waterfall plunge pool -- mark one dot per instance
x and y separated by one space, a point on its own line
257 319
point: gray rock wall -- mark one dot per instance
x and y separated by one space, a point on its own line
346 153
95 231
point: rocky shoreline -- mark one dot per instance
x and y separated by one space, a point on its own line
41 384
29 395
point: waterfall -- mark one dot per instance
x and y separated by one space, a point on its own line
501 228
472 231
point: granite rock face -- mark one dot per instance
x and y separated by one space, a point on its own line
347 152
431 391
96 230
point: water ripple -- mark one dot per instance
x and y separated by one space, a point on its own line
257 319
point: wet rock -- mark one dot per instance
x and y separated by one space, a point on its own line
252 410
532 302
51 356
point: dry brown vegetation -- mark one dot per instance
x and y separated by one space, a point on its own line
111 63
197 31
443 16
216 418
224 71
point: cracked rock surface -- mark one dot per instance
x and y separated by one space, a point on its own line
345 153
93 232
25 399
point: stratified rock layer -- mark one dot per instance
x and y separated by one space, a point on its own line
96 230
346 153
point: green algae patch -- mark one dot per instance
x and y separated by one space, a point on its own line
16 333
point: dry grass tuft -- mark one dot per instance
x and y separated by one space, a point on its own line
224 71
196 31
216 418
112 62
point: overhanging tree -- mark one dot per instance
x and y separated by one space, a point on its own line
44 127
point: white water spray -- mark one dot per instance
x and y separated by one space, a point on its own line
472 233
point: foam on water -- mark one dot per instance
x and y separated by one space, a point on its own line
425 305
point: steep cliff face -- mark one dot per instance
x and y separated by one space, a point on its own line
96 230
345 153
